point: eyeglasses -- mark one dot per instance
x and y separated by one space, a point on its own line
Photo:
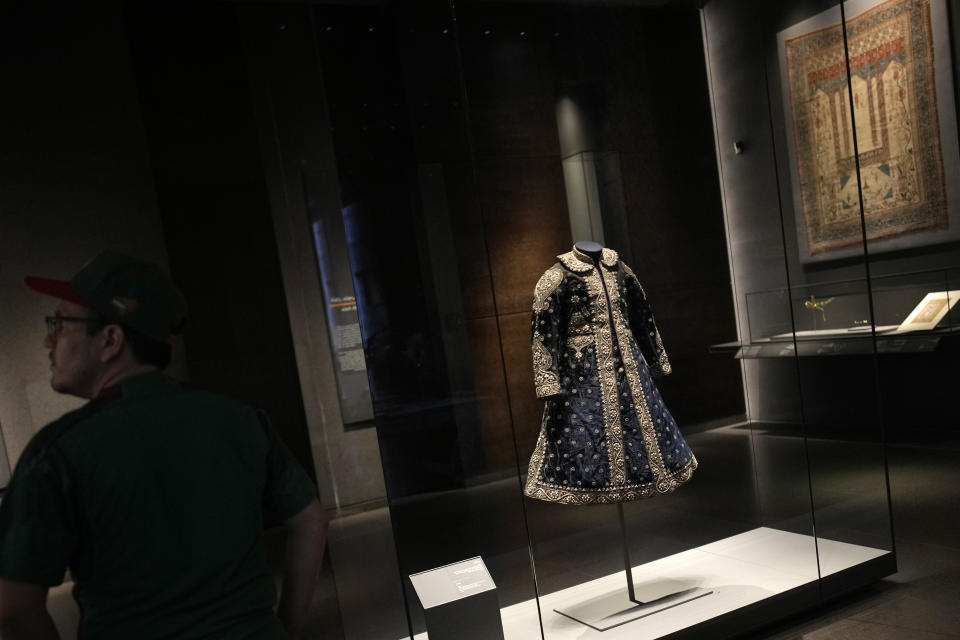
55 323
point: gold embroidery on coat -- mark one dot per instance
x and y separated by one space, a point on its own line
540 482
610 495
608 380
636 389
609 257
546 380
580 262
578 343
546 285
576 261
579 324
662 365
536 460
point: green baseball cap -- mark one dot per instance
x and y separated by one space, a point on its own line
124 290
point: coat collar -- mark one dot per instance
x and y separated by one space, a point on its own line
582 263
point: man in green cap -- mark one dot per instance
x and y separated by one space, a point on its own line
154 495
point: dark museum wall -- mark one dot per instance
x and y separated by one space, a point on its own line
444 146
440 144
653 112
75 179
442 149
105 146
473 146
212 198
148 126
300 170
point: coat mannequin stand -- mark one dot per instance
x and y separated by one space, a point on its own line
607 609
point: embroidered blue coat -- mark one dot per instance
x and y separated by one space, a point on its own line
606 435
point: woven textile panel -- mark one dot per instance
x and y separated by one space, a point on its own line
893 115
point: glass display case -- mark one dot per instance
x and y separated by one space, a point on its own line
607 310
913 311
835 125
449 153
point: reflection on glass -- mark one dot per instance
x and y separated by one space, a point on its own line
808 324
469 146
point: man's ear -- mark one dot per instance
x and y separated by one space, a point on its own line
113 338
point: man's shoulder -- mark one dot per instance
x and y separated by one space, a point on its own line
104 417
158 392
68 421
51 434
188 398
182 406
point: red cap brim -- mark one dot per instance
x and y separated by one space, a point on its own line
56 288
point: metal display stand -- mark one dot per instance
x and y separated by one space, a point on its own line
611 610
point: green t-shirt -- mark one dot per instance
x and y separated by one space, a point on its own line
155 498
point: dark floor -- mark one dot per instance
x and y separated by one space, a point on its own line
360 596
922 600
919 602
744 479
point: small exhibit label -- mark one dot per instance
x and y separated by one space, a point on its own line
452 582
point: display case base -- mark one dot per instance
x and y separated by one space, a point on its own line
755 578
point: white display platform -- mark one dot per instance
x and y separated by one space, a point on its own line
740 570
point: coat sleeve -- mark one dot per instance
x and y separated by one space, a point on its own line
545 332
645 332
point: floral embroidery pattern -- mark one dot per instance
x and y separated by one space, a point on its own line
606 435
